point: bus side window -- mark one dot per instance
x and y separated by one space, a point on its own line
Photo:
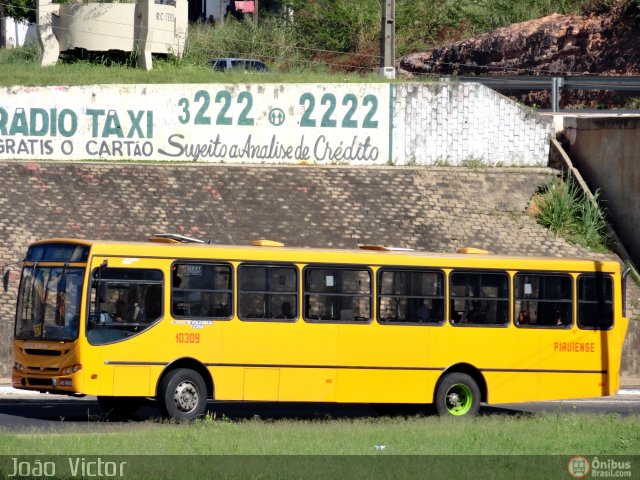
268 292
410 296
543 300
337 294
595 302
484 295
201 290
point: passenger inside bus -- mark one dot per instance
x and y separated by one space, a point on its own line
558 319
121 311
286 312
453 313
152 303
523 317
424 313
474 315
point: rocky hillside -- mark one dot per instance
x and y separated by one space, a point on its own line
555 45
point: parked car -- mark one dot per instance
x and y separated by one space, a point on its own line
248 64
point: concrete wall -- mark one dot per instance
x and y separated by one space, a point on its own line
605 151
437 209
328 124
459 123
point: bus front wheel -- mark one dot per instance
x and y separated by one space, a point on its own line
458 395
183 395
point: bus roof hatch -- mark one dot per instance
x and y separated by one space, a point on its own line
382 248
472 250
266 243
172 238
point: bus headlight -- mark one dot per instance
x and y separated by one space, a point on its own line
18 366
72 369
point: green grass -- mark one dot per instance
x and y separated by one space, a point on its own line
497 447
561 434
565 210
30 74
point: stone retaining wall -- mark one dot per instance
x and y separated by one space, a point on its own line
437 209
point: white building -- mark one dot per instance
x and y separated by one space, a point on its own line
14 33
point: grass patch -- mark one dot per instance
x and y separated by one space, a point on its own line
164 72
565 210
30 74
560 434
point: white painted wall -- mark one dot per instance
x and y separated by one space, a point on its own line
454 123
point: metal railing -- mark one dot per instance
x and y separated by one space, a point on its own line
554 84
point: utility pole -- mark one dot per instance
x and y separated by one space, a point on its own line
388 39
3 25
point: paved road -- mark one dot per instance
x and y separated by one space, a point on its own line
53 413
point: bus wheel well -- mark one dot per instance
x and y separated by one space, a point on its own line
470 370
191 364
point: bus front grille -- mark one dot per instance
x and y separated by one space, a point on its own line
40 382
46 353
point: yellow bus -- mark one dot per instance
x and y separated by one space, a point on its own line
183 322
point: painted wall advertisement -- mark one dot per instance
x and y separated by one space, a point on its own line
267 123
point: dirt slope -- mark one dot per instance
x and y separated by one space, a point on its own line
554 45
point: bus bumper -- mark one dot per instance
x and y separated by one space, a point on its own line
61 384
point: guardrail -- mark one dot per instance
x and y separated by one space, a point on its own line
555 84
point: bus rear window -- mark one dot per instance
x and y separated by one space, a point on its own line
595 302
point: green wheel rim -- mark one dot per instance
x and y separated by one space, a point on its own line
458 399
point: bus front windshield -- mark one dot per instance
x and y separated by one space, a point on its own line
49 303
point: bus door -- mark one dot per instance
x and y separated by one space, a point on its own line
128 347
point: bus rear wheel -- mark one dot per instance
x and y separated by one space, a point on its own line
183 395
458 395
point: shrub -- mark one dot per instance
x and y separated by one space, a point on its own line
564 209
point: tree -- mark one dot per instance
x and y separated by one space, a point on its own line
21 9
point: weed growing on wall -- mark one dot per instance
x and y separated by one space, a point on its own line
564 209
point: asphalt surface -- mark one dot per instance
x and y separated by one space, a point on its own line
44 412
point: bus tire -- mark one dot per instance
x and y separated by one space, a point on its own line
183 395
119 407
457 395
